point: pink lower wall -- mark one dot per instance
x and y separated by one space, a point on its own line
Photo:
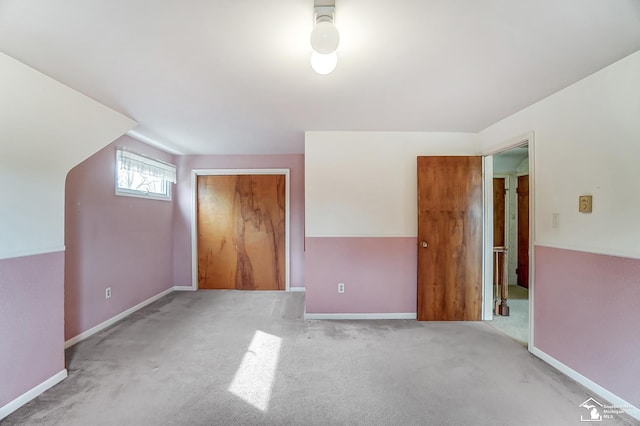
379 273
182 214
587 311
31 322
112 241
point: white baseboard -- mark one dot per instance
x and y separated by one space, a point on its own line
588 383
373 316
115 319
293 289
184 288
32 394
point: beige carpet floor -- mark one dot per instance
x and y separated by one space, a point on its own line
516 325
249 358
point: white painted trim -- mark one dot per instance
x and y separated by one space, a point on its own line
588 383
183 288
512 143
405 315
532 236
487 238
124 192
194 230
232 172
86 334
525 138
287 231
120 192
592 250
32 393
297 289
31 252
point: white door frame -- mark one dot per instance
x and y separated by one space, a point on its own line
233 172
487 308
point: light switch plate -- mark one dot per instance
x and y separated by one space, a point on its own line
585 204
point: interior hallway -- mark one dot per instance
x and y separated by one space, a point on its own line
233 357
516 325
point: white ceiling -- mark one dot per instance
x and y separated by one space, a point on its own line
233 76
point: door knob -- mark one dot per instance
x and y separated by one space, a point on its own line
423 244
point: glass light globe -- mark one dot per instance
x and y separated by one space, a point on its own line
324 64
325 37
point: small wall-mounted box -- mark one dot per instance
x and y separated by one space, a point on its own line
585 203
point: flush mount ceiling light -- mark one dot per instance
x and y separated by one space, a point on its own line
324 40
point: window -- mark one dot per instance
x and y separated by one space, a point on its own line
140 176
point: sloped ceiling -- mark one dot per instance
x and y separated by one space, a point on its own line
221 76
46 128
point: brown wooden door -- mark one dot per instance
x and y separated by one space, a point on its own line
523 231
498 212
450 223
241 232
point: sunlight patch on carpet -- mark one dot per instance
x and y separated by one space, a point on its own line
253 381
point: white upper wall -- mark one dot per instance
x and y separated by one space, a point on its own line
364 183
587 142
46 128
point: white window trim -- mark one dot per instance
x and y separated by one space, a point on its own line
125 192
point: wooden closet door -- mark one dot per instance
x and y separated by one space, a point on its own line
241 232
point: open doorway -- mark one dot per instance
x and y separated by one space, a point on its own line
511 242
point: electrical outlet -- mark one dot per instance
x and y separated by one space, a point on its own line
107 292
340 287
